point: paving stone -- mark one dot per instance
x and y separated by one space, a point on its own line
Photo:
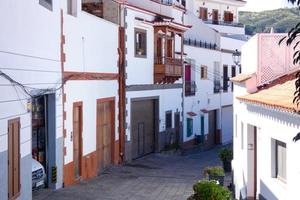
154 177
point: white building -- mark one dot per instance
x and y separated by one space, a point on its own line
91 98
31 98
265 161
209 65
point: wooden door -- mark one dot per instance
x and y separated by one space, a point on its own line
212 120
188 73
177 127
14 185
142 127
169 48
215 16
77 139
105 134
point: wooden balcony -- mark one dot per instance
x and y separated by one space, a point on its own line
167 70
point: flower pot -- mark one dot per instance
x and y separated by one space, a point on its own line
227 166
220 179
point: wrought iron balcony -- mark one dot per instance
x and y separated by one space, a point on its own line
223 23
190 88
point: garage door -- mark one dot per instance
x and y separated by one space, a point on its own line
142 128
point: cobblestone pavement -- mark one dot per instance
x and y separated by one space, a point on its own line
154 177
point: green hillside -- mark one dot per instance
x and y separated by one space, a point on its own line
282 20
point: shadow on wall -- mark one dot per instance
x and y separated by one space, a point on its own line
268 194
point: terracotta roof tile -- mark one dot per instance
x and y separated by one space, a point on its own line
278 96
241 78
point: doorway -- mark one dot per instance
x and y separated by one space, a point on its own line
177 128
143 127
212 136
77 139
44 137
105 133
252 161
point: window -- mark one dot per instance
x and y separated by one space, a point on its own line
140 43
280 159
189 127
203 72
233 74
72 7
225 78
168 119
14 185
203 13
46 3
228 17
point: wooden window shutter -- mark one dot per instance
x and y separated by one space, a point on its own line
14 159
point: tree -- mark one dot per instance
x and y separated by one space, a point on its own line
293 39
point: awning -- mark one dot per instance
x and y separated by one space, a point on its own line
192 114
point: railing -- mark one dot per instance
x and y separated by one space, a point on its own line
224 23
199 43
168 66
217 86
190 88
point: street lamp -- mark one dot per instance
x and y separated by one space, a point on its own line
236 57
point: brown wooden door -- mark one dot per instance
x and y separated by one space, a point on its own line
169 48
142 128
13 158
77 139
215 16
212 119
105 134
177 127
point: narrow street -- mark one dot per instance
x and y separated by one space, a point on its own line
154 177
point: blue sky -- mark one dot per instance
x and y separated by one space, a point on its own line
260 5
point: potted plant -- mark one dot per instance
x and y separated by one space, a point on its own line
210 190
215 173
226 156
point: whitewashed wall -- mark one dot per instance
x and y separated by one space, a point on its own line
30 54
271 124
91 46
169 100
205 97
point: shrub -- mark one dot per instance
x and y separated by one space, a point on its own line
225 154
210 190
214 171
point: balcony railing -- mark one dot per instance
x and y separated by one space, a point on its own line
217 86
190 88
199 43
168 66
224 23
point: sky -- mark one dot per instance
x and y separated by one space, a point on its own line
260 5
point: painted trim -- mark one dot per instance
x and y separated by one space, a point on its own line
69 75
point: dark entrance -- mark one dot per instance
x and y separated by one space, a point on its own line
212 119
142 127
44 134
